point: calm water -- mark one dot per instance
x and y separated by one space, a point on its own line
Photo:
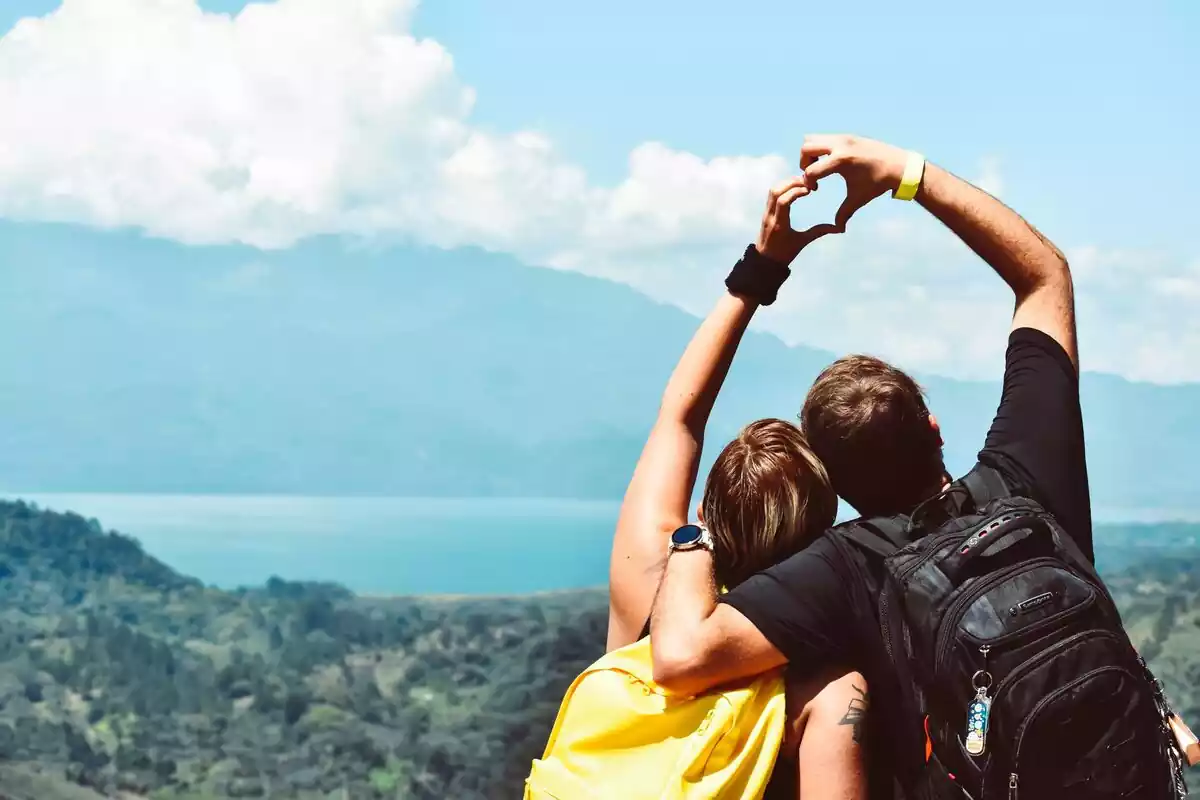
371 545
385 545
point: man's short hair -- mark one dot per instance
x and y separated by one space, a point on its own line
868 422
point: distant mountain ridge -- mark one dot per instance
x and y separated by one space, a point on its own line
135 365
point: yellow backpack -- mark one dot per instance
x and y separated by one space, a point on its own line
620 735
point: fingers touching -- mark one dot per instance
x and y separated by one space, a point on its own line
787 192
822 155
790 196
815 146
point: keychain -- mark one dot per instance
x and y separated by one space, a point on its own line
978 712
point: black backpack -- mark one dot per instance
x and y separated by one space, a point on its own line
1022 681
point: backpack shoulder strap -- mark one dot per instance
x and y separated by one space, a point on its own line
893 529
985 484
882 536
869 541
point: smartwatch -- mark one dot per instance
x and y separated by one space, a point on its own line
690 537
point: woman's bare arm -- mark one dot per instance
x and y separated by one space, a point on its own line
656 502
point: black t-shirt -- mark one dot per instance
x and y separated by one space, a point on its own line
819 606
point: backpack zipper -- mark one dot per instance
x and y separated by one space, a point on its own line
934 545
1046 655
884 613
1041 704
1012 786
1084 605
950 620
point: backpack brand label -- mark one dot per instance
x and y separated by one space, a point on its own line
1025 606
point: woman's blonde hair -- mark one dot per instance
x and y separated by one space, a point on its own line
767 497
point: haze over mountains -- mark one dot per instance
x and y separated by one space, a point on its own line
134 365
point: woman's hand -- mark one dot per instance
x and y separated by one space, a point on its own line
777 240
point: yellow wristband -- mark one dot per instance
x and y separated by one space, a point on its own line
914 170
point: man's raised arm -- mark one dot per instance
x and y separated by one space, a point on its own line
1030 264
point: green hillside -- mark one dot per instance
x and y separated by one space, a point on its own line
118 675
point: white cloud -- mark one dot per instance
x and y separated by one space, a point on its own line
306 117
1137 314
899 285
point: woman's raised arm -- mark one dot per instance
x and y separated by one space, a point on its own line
656 502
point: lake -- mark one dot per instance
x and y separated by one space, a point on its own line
385 545
370 545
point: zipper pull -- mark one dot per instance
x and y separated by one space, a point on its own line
1012 786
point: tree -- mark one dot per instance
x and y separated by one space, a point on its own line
294 707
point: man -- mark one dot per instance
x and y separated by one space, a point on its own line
868 422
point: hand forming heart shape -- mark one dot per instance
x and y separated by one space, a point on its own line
777 239
869 168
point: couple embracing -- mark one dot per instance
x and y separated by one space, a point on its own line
955 640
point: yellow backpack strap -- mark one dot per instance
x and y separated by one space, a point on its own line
632 658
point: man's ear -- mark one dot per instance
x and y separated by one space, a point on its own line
933 423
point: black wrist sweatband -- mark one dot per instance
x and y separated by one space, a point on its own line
757 277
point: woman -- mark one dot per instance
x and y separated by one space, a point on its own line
766 497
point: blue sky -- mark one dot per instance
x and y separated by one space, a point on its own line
1083 118
1083 105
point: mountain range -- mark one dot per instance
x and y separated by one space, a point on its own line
134 365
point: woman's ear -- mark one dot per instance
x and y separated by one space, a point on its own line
700 512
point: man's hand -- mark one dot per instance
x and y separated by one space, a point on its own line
870 168
777 240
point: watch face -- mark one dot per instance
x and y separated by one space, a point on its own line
688 534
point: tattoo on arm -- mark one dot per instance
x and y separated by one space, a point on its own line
856 713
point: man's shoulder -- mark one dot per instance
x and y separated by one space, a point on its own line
829 544
820 567
896 529
999 476
823 550
1029 341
